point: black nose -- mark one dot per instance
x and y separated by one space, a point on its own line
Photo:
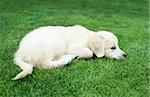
124 55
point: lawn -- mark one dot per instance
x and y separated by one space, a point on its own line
128 19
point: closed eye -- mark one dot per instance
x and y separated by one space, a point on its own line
113 48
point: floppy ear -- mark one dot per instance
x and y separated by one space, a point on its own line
96 44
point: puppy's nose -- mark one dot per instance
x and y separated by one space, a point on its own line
124 55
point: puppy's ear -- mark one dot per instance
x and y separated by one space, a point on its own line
96 44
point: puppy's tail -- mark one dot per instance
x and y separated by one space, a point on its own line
27 68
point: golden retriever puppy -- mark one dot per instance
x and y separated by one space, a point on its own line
55 46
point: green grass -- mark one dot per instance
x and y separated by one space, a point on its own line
128 19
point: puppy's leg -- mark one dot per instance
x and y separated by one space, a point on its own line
63 60
82 53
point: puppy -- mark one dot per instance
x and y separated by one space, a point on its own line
55 46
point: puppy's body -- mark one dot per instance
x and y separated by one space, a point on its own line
55 46
50 43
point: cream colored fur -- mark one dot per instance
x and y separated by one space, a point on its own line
55 46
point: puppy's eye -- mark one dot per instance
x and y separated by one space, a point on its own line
113 47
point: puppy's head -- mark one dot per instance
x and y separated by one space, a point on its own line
105 44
